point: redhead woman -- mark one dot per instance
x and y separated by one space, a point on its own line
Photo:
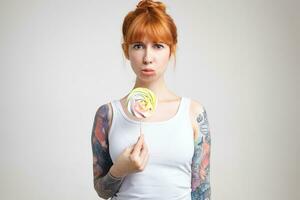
170 159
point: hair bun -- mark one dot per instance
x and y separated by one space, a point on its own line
145 4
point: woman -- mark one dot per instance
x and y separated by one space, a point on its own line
171 158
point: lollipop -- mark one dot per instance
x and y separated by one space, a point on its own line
141 102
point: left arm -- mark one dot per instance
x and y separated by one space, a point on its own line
201 189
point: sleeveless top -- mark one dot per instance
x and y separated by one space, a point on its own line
167 175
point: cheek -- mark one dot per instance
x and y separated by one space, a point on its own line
166 55
165 58
134 62
134 58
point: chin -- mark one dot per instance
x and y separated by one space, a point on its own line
148 79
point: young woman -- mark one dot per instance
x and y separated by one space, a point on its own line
171 158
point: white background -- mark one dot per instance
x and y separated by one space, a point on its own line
60 60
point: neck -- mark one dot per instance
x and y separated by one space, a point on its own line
159 88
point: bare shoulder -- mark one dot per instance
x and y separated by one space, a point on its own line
196 109
104 114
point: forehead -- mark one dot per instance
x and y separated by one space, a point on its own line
146 40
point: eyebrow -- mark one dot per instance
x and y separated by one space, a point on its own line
137 42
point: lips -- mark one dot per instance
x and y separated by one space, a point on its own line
148 70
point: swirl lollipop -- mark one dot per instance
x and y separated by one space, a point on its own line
141 103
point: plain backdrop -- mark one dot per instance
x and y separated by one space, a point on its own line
61 59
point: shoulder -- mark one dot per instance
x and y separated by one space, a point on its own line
196 111
104 110
196 107
104 115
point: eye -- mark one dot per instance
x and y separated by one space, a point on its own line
137 46
159 46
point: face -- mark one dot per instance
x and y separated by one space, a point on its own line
149 60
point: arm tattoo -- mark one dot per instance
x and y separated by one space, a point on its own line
201 189
104 183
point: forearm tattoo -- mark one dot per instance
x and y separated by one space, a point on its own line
105 184
201 189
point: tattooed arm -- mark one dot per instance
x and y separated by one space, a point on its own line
105 184
201 189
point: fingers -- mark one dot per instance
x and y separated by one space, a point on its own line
142 159
138 146
144 156
144 150
140 154
129 149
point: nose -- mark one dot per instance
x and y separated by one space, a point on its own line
148 58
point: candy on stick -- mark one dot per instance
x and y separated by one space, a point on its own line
141 103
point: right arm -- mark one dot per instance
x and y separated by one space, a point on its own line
105 183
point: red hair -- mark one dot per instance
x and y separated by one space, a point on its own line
149 19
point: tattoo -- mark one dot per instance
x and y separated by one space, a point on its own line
104 183
201 189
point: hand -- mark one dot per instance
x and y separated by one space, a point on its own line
133 159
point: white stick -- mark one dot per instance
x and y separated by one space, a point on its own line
140 127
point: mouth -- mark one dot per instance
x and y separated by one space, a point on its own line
148 72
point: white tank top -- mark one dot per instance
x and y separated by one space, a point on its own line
167 175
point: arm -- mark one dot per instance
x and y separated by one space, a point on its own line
105 184
201 189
